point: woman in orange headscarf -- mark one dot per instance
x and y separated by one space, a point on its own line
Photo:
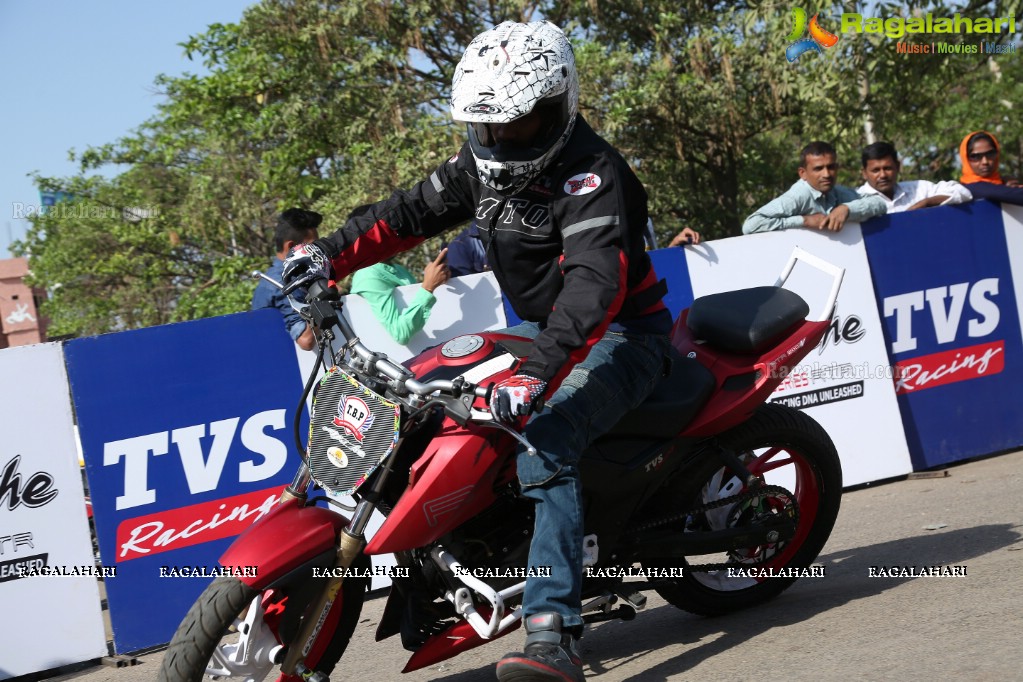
979 152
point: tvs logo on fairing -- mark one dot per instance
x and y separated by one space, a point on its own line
947 306
584 183
654 464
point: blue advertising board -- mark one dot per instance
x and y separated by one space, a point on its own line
670 265
945 292
186 431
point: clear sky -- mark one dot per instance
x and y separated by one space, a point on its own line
77 74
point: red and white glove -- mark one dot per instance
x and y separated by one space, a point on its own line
516 396
304 265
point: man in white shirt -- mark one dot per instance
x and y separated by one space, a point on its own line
881 172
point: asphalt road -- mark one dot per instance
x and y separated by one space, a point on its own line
844 626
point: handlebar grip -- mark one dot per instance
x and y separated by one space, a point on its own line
320 290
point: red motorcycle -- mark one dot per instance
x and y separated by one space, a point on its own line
704 494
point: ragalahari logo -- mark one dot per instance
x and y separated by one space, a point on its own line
819 38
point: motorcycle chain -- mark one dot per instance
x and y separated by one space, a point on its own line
746 496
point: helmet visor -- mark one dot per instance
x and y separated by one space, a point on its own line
522 139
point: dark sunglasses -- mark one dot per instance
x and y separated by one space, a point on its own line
977 156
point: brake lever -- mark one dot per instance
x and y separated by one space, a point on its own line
300 308
261 275
492 423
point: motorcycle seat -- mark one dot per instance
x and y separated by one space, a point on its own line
747 321
672 404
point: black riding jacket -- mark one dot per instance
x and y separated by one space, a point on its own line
568 250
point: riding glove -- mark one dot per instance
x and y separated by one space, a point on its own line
304 265
516 396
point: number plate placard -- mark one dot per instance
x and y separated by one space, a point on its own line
351 432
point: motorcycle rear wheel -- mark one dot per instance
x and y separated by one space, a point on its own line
215 621
776 441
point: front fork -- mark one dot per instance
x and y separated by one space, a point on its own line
351 540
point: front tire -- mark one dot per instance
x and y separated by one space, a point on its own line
218 616
788 448
203 628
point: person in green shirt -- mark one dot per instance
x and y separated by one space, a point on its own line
376 284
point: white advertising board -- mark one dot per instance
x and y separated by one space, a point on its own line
51 601
464 305
846 383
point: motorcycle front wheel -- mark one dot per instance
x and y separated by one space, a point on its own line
786 448
229 633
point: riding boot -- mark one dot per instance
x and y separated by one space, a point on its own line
550 653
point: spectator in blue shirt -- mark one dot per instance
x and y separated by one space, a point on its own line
815 201
466 255
294 226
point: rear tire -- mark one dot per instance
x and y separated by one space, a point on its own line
817 491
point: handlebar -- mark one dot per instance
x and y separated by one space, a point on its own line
402 379
325 310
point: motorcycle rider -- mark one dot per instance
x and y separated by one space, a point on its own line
562 218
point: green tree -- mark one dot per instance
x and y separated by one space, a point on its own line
693 94
326 105
701 98
926 103
330 105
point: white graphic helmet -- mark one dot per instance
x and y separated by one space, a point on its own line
516 72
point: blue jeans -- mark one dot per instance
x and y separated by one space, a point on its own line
616 376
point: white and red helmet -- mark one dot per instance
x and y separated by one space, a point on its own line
505 74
